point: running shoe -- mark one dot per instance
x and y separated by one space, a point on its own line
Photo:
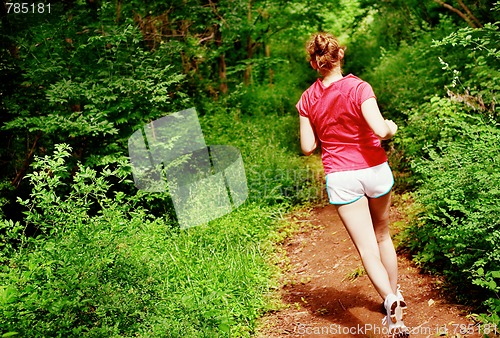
394 318
399 294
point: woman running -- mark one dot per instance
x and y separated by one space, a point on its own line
341 114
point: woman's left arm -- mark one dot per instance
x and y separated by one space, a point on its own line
308 141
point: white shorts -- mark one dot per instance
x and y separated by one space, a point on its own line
346 187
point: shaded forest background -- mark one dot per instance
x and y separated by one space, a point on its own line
83 253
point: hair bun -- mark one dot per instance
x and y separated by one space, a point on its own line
321 45
324 49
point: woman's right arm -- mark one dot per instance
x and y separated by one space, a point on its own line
384 129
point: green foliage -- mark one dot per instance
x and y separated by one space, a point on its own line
90 74
95 93
385 27
458 229
269 145
342 20
399 75
430 127
398 78
476 80
390 24
117 271
408 72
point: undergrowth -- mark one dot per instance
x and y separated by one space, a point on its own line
90 260
117 271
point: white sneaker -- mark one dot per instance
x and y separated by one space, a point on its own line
394 319
399 294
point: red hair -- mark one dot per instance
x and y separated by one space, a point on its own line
323 48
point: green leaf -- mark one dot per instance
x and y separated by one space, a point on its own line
10 334
495 274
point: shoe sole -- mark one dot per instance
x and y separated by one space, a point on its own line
398 327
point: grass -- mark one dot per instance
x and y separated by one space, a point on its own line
103 266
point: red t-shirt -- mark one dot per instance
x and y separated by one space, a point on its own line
347 141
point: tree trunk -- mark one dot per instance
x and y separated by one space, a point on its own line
460 13
15 182
222 74
469 13
250 46
267 51
118 11
221 61
248 70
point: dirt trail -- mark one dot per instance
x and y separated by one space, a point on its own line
327 293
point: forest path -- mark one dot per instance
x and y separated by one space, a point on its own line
327 294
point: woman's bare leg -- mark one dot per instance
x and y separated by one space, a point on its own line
379 210
357 218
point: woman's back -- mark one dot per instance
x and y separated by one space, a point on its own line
347 141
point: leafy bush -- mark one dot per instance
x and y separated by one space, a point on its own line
405 77
95 95
432 126
476 79
100 265
458 231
